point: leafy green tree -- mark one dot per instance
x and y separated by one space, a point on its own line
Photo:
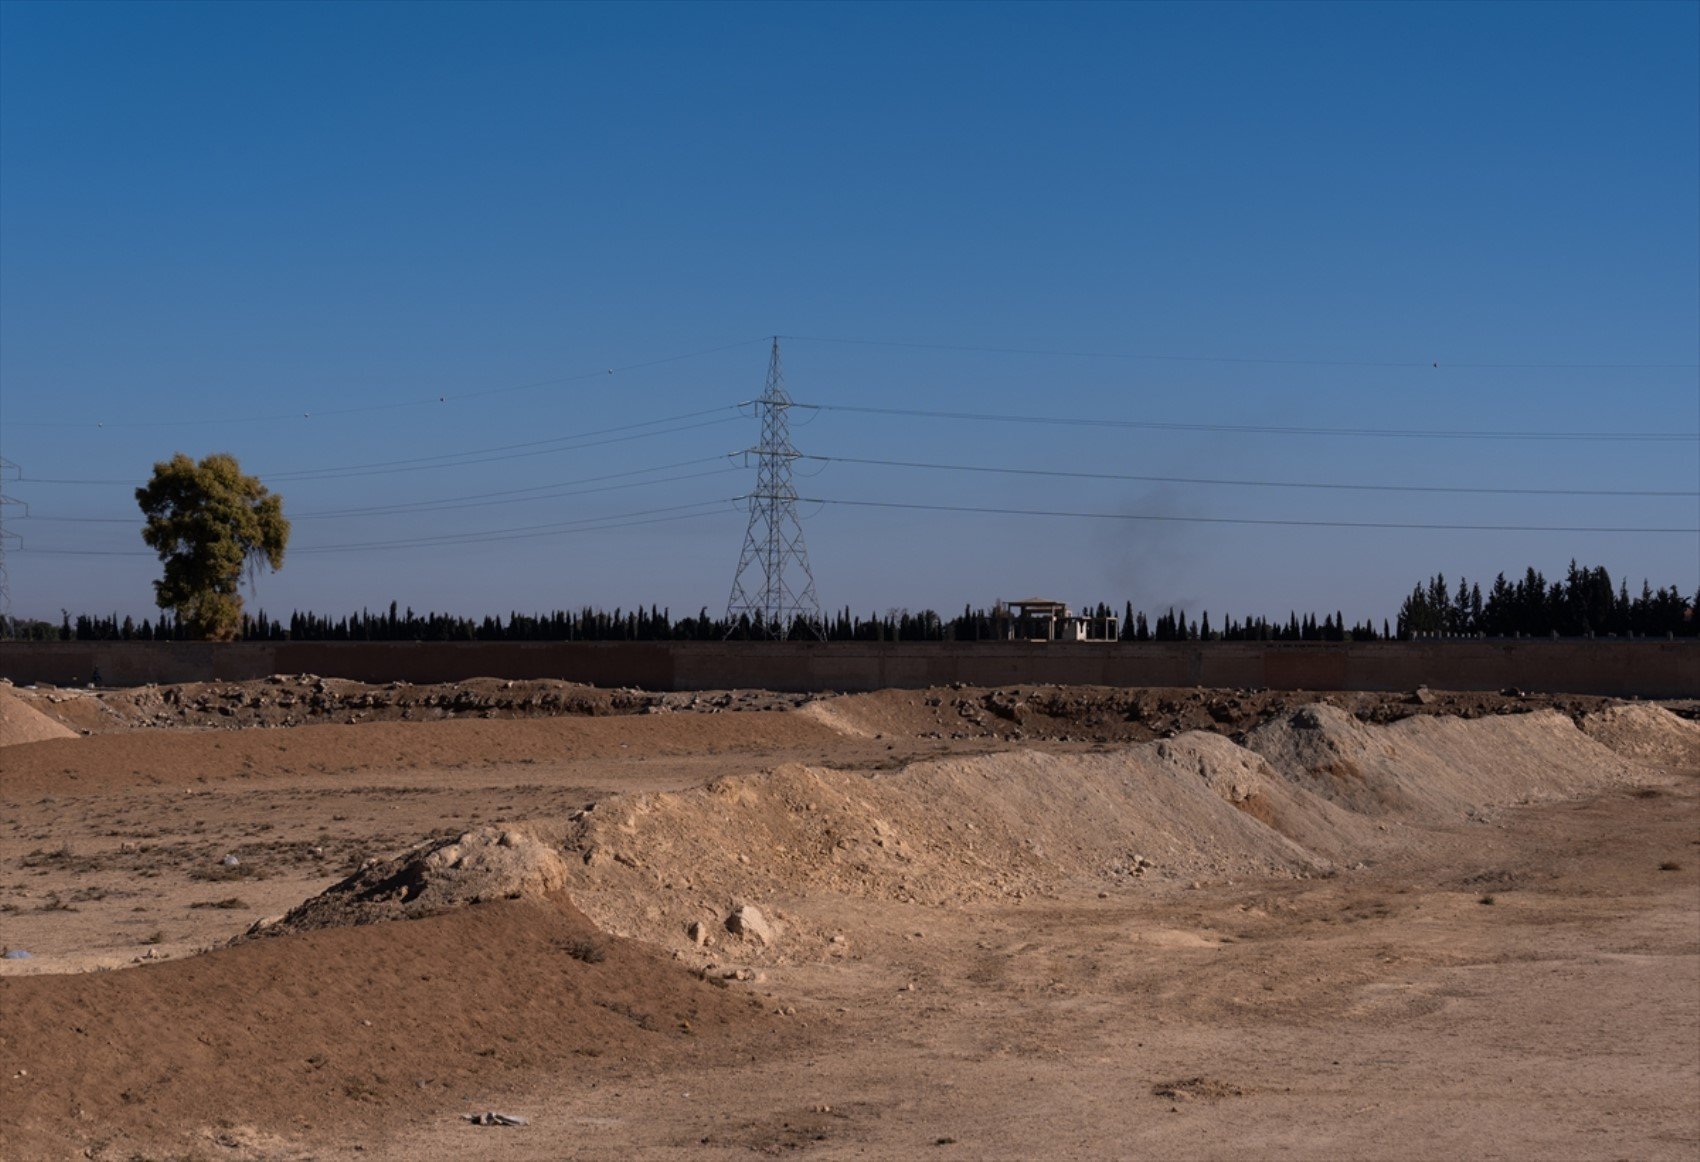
210 525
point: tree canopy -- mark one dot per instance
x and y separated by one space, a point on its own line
210 524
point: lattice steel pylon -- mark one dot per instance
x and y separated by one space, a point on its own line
773 545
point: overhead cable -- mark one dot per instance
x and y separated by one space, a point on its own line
503 452
1223 520
527 532
1432 364
505 497
525 495
1249 483
1255 429
524 532
496 453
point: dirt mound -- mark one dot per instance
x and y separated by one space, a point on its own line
1060 713
1311 790
339 1034
306 699
1432 768
833 715
940 833
21 722
1116 714
485 864
1647 734
944 832
1320 828
948 832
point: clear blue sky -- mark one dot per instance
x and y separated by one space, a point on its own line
221 225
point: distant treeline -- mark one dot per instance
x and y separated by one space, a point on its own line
1584 603
656 624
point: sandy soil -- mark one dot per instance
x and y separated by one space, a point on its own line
1016 923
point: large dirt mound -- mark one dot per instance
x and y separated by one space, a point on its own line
1011 825
21 722
338 1027
1431 768
1001 826
1647 734
938 833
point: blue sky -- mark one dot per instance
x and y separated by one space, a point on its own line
323 236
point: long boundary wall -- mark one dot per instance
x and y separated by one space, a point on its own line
1620 668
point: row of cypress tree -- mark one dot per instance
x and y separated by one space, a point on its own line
1584 602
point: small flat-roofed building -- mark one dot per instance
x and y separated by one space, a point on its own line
1040 619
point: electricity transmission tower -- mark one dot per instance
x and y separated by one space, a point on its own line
773 545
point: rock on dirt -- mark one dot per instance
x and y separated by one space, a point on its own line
747 921
488 863
1196 1087
497 1118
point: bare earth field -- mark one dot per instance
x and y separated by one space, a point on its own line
308 918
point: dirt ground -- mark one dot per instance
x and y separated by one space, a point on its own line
308 918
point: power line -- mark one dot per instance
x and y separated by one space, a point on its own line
1223 520
1250 483
436 400
507 496
528 532
500 452
708 508
507 452
1254 429
442 398
611 521
1433 364
568 488
516 495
